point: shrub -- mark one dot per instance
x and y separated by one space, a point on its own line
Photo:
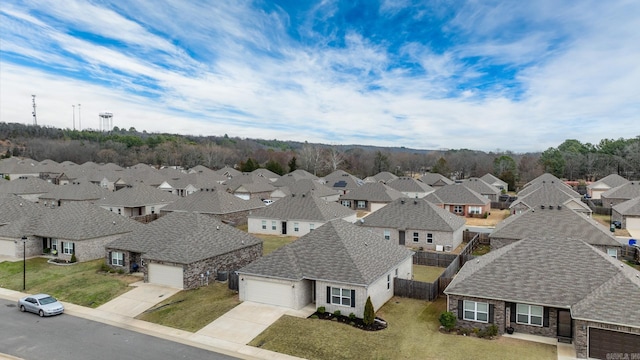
448 320
313 317
321 310
337 313
47 250
73 258
486 215
488 332
104 267
369 314
352 316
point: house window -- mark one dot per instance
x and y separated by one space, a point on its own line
111 209
387 234
346 203
153 209
458 209
341 296
54 244
474 210
312 226
429 238
67 248
396 272
264 224
388 281
613 253
273 225
416 237
529 314
296 227
362 204
117 258
476 311
119 211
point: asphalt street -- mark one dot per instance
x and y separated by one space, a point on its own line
66 337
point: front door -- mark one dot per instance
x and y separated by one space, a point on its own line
564 324
284 228
401 234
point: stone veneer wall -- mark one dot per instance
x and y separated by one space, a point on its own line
498 313
581 331
226 262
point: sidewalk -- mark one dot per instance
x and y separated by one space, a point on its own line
565 351
201 340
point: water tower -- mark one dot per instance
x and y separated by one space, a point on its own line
106 121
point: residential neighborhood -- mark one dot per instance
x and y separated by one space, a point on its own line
552 269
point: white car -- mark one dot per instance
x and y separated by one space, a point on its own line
41 304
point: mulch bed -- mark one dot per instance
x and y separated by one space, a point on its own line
378 324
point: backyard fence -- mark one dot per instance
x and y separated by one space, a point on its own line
428 258
415 289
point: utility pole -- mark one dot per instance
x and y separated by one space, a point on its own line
79 119
74 116
35 119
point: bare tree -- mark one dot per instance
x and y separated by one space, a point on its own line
333 158
310 157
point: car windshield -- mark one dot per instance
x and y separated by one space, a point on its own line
47 300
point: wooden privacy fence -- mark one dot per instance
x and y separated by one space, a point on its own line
415 289
439 259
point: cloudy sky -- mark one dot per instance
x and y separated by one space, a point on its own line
485 75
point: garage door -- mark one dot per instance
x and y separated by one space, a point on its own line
7 247
265 292
633 223
166 275
603 343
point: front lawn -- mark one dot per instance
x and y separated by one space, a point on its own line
426 273
81 284
412 334
191 310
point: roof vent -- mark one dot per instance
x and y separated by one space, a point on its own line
559 207
541 206
217 227
415 202
401 201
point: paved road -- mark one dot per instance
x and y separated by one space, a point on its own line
66 337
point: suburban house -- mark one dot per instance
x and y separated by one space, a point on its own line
549 194
216 203
417 223
628 213
16 168
187 184
29 188
74 191
76 228
256 190
482 187
595 189
382 177
620 194
370 197
296 215
14 208
342 181
547 178
495 182
183 250
460 200
292 177
555 287
306 185
266 173
337 266
435 180
228 172
554 221
411 187
138 200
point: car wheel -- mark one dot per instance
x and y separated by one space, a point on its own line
22 308
41 313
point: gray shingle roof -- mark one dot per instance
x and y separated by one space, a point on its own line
407 184
435 179
30 185
629 207
480 186
544 194
554 272
609 181
342 180
375 192
627 191
337 251
416 214
184 238
290 178
303 207
554 222
139 195
456 194
83 191
383 177
304 186
13 207
492 179
213 202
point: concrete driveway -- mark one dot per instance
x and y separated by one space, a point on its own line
134 302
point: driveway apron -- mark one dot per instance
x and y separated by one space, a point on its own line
134 302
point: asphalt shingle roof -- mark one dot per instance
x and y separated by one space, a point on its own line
74 191
609 181
456 194
213 202
407 184
544 194
435 178
337 251
303 207
13 207
30 185
139 195
184 238
304 186
375 192
416 214
383 177
629 207
630 190
480 186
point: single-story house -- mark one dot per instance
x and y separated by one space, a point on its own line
381 177
417 223
342 181
549 194
411 187
553 287
303 186
29 188
337 266
495 182
596 188
628 213
460 200
620 194
74 191
137 200
370 197
435 180
547 178
183 250
483 188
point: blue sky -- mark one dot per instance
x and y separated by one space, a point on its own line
485 75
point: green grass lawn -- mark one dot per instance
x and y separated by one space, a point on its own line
426 273
412 334
481 250
191 310
274 242
82 284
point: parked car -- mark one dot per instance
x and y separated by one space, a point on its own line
41 304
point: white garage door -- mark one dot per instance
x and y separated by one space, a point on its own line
633 223
7 247
265 292
166 275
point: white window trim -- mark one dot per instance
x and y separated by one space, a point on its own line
67 248
117 258
346 203
312 227
340 297
54 244
429 238
388 282
387 234
362 204
475 311
456 207
613 252
529 315
475 210
296 227
264 224
274 226
416 237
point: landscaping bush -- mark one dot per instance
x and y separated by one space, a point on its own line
73 258
337 313
488 332
352 316
369 314
448 320
321 310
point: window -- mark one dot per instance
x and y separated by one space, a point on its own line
312 226
119 211
416 237
346 203
387 234
111 209
396 272
341 296
67 248
476 311
117 258
429 238
54 245
296 227
458 209
273 225
153 209
529 314
264 224
613 253
388 281
475 210
362 204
